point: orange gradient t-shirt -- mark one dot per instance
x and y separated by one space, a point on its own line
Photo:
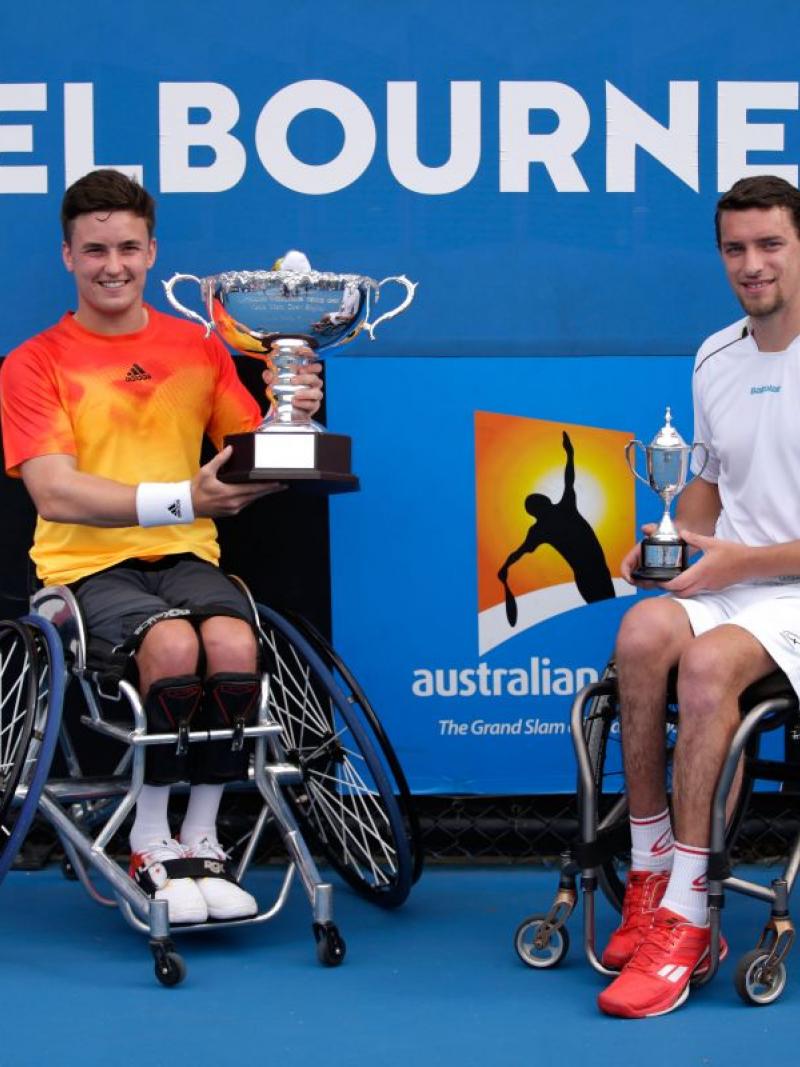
132 408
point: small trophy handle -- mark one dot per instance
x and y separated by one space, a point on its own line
632 464
700 444
168 287
401 279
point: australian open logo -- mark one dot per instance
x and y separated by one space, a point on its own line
555 518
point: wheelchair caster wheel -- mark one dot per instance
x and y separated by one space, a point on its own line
170 968
536 948
330 944
755 985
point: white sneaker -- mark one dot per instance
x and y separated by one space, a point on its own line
224 898
157 870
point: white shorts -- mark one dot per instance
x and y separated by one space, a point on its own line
770 612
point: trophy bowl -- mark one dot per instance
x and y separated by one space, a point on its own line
272 315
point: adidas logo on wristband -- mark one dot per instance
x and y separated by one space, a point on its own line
164 503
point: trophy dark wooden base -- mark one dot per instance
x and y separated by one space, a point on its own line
308 462
662 560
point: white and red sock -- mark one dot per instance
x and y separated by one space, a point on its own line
687 889
652 843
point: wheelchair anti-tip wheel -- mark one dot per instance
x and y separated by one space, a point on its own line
755 983
357 698
540 947
31 669
345 802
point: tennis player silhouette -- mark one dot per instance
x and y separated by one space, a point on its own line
563 527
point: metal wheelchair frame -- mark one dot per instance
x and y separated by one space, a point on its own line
542 940
51 640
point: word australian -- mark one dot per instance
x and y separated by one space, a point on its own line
539 678
204 146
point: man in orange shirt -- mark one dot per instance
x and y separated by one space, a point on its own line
103 417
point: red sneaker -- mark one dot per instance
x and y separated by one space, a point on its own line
657 978
643 893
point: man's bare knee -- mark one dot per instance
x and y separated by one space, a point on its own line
653 634
170 648
715 668
229 643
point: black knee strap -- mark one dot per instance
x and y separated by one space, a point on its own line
170 706
230 702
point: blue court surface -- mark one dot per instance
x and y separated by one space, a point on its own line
437 981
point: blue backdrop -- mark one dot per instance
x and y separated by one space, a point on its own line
547 173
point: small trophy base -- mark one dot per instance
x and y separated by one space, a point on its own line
307 461
662 560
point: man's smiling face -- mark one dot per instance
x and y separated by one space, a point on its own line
110 254
760 249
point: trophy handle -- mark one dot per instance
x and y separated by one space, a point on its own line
401 279
168 287
632 464
700 444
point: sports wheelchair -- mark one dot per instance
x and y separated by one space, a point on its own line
326 773
601 852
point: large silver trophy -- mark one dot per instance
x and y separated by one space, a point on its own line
272 315
667 458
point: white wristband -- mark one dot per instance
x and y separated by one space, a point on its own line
164 503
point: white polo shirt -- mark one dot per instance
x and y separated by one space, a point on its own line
747 411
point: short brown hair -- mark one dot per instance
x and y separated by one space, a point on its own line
106 190
762 191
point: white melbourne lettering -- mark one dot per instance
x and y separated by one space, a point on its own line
200 114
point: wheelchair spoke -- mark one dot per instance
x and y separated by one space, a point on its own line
345 798
357 847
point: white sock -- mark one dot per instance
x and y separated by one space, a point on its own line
652 843
687 889
150 824
201 814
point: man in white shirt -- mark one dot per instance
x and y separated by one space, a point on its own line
729 619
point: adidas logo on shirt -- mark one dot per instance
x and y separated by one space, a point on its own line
137 374
175 507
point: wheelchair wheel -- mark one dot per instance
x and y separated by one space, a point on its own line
754 984
18 688
345 802
347 682
540 955
40 657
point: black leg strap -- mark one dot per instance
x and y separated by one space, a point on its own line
170 706
230 702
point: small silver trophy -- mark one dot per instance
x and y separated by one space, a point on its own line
271 315
667 457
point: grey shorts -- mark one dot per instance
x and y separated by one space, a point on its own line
117 601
